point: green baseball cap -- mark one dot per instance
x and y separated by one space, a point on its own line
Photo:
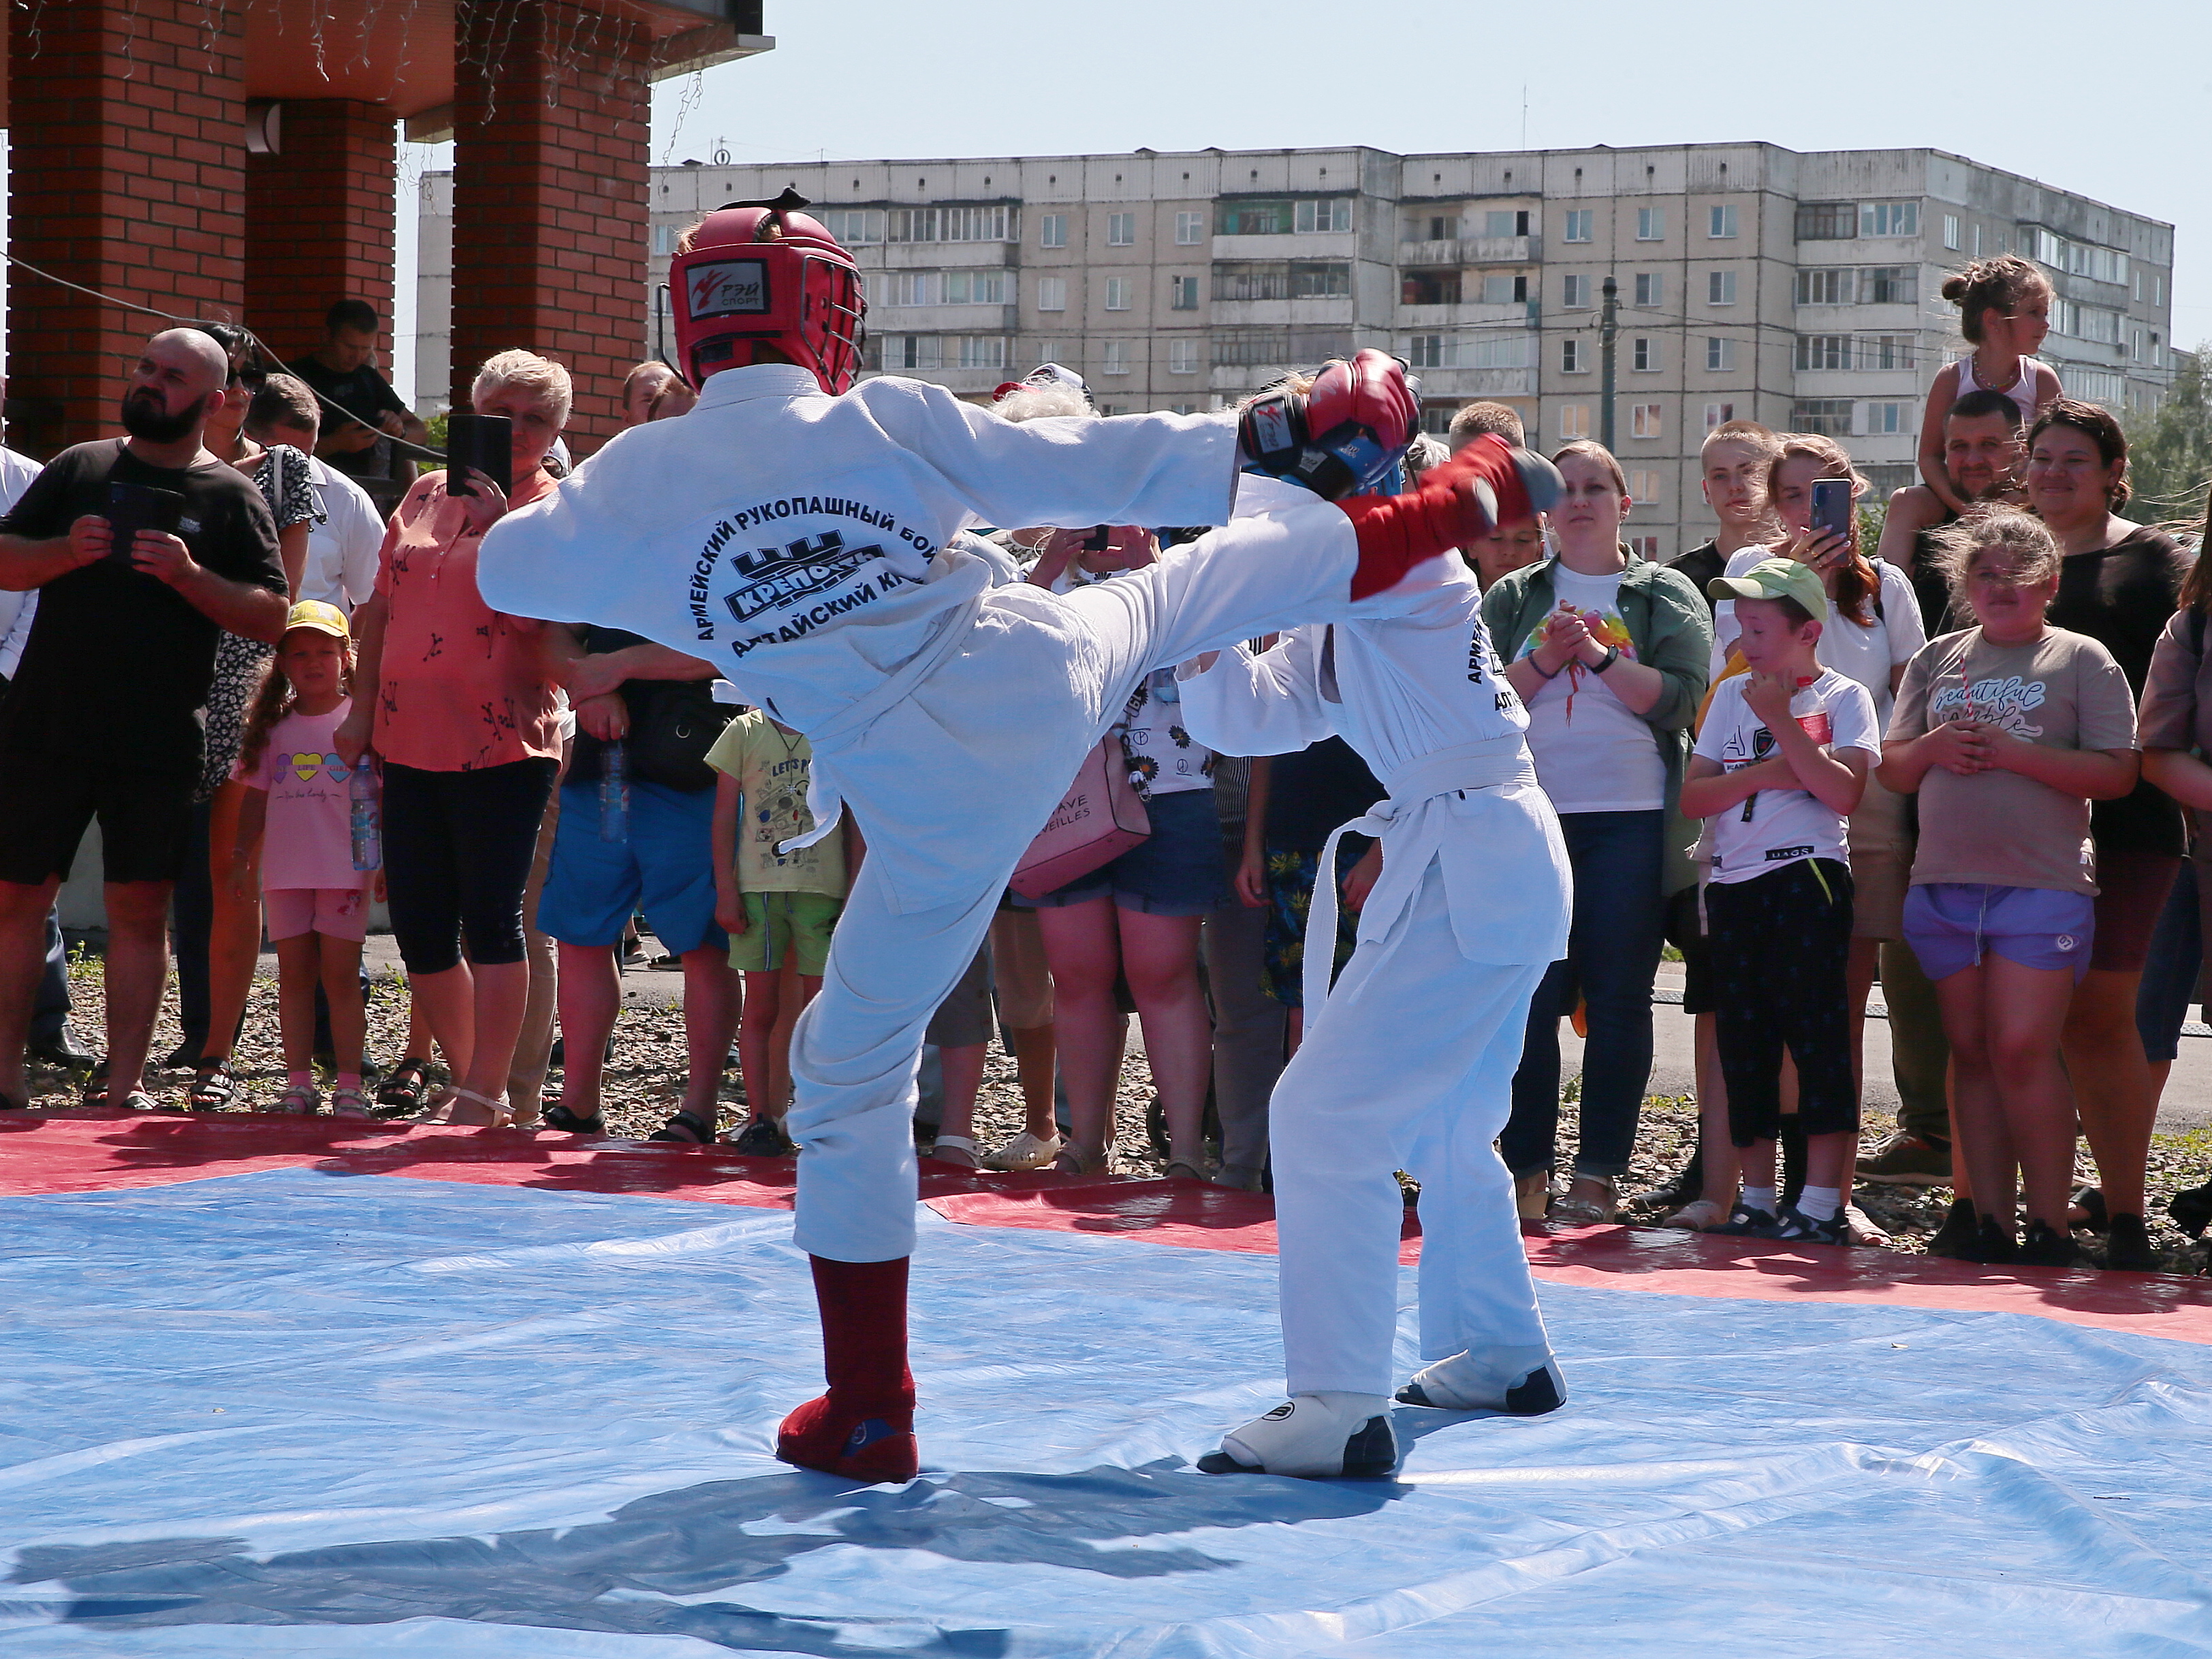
1775 579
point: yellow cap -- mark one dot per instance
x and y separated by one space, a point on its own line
323 618
1775 579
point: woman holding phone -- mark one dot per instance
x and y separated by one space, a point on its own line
463 721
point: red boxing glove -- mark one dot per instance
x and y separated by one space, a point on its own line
1370 391
1487 483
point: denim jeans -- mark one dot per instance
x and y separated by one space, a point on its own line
1612 957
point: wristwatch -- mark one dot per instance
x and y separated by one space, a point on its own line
1612 656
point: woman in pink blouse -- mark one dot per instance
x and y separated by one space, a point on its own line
463 718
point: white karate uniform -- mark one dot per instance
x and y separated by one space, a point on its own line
811 547
1408 1063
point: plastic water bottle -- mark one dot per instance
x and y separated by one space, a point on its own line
366 820
614 790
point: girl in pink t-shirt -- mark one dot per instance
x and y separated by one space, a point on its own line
317 903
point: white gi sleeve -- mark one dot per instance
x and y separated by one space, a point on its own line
1269 704
1151 470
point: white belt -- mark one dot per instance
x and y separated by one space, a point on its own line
1489 764
824 800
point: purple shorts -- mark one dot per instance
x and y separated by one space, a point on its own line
1952 925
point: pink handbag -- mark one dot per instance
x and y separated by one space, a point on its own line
1101 817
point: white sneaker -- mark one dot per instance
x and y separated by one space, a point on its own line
1023 1152
1525 1382
1314 1436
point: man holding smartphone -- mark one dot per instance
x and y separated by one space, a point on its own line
103 718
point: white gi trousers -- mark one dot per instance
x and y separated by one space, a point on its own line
1040 676
1407 1066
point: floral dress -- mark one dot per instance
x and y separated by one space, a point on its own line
282 473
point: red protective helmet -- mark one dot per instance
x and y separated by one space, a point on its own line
763 271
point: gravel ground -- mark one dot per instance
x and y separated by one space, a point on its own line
644 1083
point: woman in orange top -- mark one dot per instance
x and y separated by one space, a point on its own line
465 725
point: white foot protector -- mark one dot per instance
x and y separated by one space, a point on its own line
1525 1382
1314 1436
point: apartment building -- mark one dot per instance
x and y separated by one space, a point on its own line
1798 289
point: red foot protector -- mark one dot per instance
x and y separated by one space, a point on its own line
863 1428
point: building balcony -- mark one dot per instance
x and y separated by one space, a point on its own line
943 319
1477 382
1312 245
935 256
1336 311
1513 314
1472 250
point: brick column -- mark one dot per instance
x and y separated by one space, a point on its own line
126 173
551 109
319 221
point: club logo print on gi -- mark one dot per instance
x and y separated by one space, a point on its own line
795 571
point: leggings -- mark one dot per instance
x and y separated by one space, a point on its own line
457 853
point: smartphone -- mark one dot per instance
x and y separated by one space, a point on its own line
1832 506
485 442
132 508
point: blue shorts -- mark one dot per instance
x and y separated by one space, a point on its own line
1952 925
665 868
1180 870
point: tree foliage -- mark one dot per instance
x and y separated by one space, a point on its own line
2170 453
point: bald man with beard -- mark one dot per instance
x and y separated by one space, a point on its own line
144 552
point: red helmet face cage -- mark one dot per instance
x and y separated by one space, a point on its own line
763 273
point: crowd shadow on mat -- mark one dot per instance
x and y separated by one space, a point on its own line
607 1576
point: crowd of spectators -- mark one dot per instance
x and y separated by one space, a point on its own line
1968 766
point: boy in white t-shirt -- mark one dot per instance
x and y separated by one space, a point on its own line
1780 763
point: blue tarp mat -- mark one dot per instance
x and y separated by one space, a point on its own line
299 1413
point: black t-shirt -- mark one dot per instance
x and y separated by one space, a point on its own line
1938 617
2122 596
672 723
1701 565
117 658
1311 792
360 390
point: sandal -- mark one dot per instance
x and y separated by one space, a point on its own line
1582 1212
1699 1215
215 1086
439 1115
1025 1152
1182 1170
557 1116
685 1130
139 1101
1072 1160
300 1100
349 1102
93 1096
962 1147
409 1085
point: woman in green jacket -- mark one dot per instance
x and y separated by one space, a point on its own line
1611 653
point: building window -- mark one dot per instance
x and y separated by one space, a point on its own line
1889 218
1052 230
1648 286
1720 226
1310 280
1643 420
1437 419
1050 351
664 242
1575 293
1880 351
1324 215
1720 353
1504 290
975 287
1280 218
1720 288
1887 420
1650 224
1052 294
1890 285
1824 351
1829 417
1718 414
915 288
1117 294
1641 356
1114 357
1828 285
1574 422
1183 358
2095 386
1644 547
854 226
1120 230
1182 409
1573 360
1827 221
1643 485
1429 287
1190 229
951 224
912 351
1183 292
1497 223
984 351
2134 345
1950 231
1578 224
1426 351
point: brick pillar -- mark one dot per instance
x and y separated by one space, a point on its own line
318 222
126 173
551 108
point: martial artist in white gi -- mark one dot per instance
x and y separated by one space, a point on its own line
1407 1064
811 545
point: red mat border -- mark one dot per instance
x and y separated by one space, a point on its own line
47 1153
